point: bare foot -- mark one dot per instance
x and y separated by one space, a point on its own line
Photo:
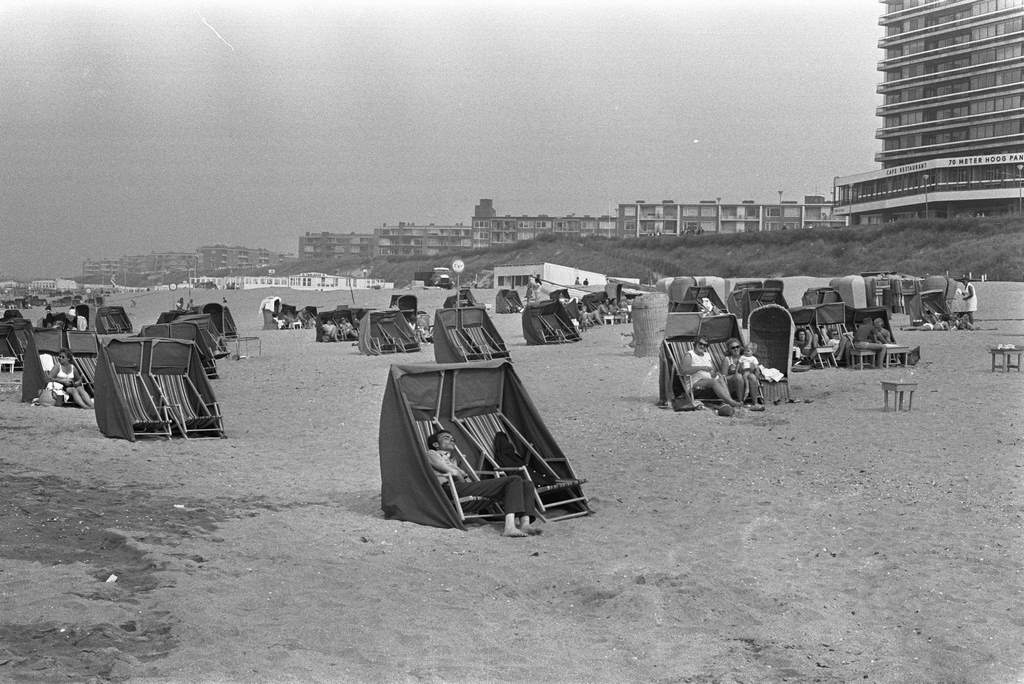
513 533
532 531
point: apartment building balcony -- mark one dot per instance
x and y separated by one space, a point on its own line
953 149
940 77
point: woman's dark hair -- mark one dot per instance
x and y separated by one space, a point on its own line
67 352
434 440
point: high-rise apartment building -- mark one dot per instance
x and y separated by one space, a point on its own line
952 133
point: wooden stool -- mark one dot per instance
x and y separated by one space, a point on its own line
896 356
857 357
1004 357
898 388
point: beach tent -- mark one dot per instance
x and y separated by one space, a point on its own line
222 319
149 386
112 320
386 332
211 334
11 313
681 330
855 315
718 284
342 313
464 297
466 334
820 295
592 301
929 306
693 299
82 311
421 399
734 302
772 329
269 308
408 305
193 331
548 322
851 289
84 347
14 334
507 301
754 297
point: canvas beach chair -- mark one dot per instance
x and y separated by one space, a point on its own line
548 322
772 329
420 399
466 334
127 402
112 320
223 321
184 392
386 332
193 331
681 330
45 341
507 301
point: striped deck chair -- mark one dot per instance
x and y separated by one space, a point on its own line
489 347
146 417
191 413
469 507
552 329
553 491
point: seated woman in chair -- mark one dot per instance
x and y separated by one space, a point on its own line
65 382
740 373
516 494
839 343
699 368
803 347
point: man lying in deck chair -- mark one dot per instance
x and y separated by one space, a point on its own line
516 494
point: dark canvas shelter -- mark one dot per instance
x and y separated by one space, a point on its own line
350 316
928 306
408 305
466 334
753 297
548 322
149 386
173 315
692 297
112 320
193 331
420 399
211 335
386 332
820 295
84 347
463 298
855 316
591 301
222 319
507 301
681 330
772 329
734 302
14 334
11 313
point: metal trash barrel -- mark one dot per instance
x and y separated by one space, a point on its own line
650 311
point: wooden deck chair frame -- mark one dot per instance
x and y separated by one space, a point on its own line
469 507
147 418
193 416
552 333
481 429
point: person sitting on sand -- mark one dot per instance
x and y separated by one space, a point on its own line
863 338
699 367
518 496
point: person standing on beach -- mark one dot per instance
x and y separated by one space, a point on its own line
970 298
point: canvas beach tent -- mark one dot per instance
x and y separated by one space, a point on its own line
153 387
466 334
14 335
269 308
421 399
192 331
386 332
211 334
772 329
507 301
754 297
41 351
548 322
222 319
464 297
813 296
112 320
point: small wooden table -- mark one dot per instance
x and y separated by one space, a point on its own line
857 357
1002 359
898 389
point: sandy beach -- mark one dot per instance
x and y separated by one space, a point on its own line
822 540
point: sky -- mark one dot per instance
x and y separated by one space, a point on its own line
139 127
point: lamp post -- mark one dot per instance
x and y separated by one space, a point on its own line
780 210
926 177
1020 167
718 214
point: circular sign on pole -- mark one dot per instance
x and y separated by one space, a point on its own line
458 266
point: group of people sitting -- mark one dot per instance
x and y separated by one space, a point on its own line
736 381
831 338
337 331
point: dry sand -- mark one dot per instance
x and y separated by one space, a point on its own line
822 540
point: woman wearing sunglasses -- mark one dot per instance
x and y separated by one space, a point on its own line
699 367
